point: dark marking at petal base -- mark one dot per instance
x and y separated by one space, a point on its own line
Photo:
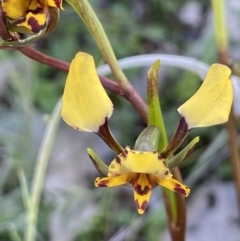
180 190
20 20
166 173
102 183
124 154
58 3
177 185
34 25
164 163
138 190
144 205
159 157
118 159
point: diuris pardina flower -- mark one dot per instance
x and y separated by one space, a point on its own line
143 170
30 16
87 107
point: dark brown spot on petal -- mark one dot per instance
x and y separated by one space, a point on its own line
166 173
180 190
164 163
118 159
159 157
154 152
124 154
20 20
102 183
138 189
58 3
144 205
35 27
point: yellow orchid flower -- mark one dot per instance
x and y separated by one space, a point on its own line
87 107
143 170
31 15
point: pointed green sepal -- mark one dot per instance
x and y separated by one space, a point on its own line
97 162
154 109
148 139
182 155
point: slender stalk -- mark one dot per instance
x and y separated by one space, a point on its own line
62 65
219 22
40 171
221 37
234 152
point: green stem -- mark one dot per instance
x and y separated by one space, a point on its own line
40 170
221 35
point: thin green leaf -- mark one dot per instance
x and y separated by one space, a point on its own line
154 109
97 162
182 155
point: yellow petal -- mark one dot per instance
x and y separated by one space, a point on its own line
173 185
113 181
142 185
86 105
15 9
211 104
55 3
33 22
130 161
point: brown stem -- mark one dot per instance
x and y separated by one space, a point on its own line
235 159
130 93
176 223
178 231
224 58
62 65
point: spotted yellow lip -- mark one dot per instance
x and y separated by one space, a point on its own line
143 170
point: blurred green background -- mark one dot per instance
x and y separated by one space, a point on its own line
71 208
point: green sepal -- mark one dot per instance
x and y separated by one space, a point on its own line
154 108
182 155
97 162
148 139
